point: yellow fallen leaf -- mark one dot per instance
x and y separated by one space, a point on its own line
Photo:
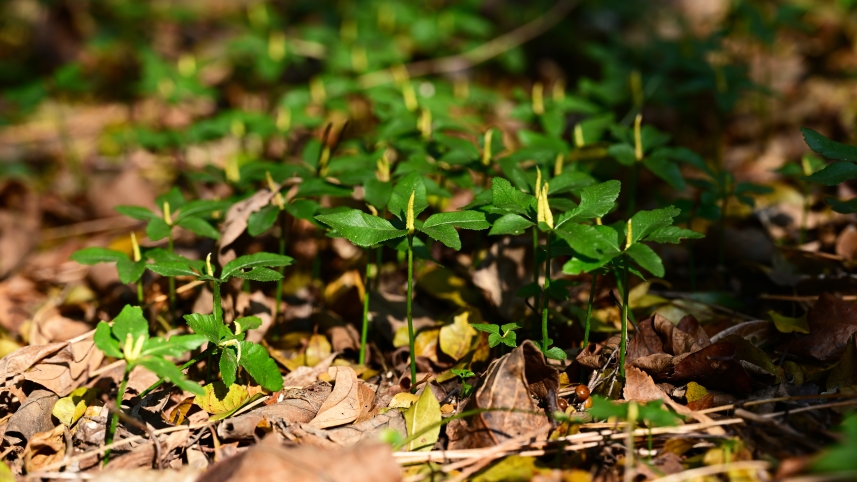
220 399
422 420
456 338
403 400
318 348
69 409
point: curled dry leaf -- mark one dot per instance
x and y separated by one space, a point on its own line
343 404
22 359
32 417
44 448
509 383
67 369
269 462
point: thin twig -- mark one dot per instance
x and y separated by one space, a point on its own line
716 469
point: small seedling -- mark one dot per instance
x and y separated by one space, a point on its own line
504 334
130 269
407 201
128 338
464 374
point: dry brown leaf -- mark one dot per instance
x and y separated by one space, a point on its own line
370 429
270 462
343 404
20 220
44 448
502 273
303 376
831 322
640 387
22 359
235 223
510 383
32 417
366 399
67 369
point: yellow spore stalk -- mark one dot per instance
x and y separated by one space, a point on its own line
409 221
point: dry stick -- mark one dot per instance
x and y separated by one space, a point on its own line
488 50
763 401
716 469
119 443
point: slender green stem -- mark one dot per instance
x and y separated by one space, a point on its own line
278 295
217 308
546 302
410 318
171 281
114 418
364 333
624 341
140 292
588 322
536 299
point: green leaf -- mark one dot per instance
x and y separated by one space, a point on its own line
172 269
505 196
259 364
623 153
486 327
200 227
569 181
260 221
130 321
201 208
90 256
412 183
529 290
422 420
360 228
843 207
646 222
834 174
646 258
165 369
582 264
510 224
595 202
174 197
787 324
828 148
129 271
595 242
206 325
672 234
228 365
267 260
246 323
556 353
259 274
302 209
440 226
137 212
105 341
157 229
666 169
176 346
377 193
313 187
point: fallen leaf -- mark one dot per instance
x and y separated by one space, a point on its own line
219 398
716 366
640 387
177 415
68 368
22 359
343 404
403 400
69 409
831 322
268 462
235 222
369 430
844 373
318 348
786 324
32 417
366 398
44 448
509 383
419 419
456 338
303 376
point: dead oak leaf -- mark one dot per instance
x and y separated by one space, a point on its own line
343 404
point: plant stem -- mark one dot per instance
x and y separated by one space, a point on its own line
410 318
278 295
218 309
365 331
140 292
546 296
172 281
114 419
589 311
536 297
624 341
